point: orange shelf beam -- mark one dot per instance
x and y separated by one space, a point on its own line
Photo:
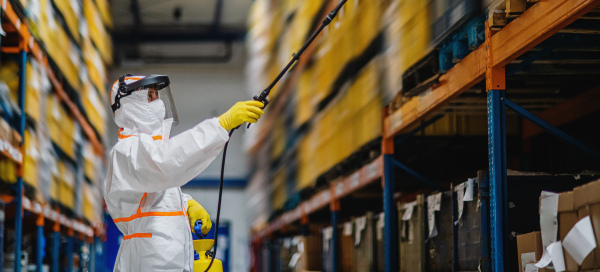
366 175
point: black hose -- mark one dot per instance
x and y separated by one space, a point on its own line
219 205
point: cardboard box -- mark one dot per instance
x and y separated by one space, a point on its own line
587 202
567 217
530 243
347 247
412 237
311 253
364 244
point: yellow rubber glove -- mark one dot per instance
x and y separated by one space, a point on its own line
197 212
241 112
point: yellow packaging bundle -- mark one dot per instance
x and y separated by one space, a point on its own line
278 136
91 202
66 185
96 68
8 171
58 45
8 76
93 107
61 126
71 12
104 9
367 23
36 87
32 155
298 30
279 188
97 31
92 164
305 99
414 23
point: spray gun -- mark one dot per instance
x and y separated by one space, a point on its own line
262 98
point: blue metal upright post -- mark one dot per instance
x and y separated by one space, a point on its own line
484 198
335 221
39 257
390 215
19 196
69 252
55 249
497 175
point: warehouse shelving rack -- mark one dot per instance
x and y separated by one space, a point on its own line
487 62
44 213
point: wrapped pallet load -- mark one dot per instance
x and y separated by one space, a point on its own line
328 257
380 250
468 221
412 235
440 229
364 243
587 203
347 247
308 255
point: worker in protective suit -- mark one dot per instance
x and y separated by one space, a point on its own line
146 169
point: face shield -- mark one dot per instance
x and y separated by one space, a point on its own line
160 97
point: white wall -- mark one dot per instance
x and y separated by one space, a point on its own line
204 91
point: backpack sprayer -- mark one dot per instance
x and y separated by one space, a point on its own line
203 245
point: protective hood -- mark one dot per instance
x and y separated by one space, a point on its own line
136 115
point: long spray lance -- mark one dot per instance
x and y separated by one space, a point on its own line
263 98
296 56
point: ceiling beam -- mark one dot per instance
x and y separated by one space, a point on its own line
218 15
149 35
134 7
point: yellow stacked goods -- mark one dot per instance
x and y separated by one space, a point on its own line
349 122
36 87
66 185
32 154
8 75
297 31
97 31
93 107
306 98
278 137
8 170
104 9
408 32
336 49
96 69
92 202
71 12
414 22
91 164
263 29
279 194
366 24
60 125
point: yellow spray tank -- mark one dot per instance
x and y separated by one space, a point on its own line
202 259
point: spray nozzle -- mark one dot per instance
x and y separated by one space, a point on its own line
197 233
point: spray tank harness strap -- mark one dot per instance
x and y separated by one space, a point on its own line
160 81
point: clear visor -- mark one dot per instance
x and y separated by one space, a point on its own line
164 94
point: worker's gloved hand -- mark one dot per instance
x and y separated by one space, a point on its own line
241 112
197 212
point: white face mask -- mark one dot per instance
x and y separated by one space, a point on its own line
158 107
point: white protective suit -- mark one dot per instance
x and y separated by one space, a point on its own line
142 186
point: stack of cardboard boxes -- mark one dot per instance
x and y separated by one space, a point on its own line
572 206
